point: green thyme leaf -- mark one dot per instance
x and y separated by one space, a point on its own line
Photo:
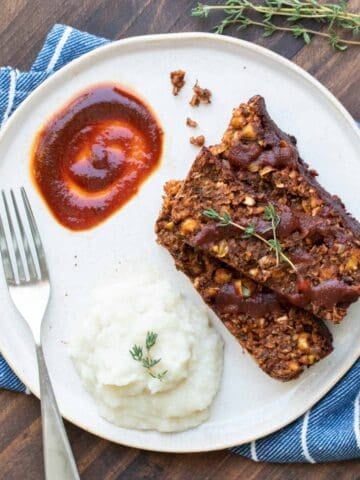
137 353
148 362
224 219
275 245
151 338
249 231
211 213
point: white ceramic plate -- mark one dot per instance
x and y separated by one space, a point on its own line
249 404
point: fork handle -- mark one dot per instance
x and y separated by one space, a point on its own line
58 458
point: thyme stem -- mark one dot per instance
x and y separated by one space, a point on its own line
335 16
147 361
306 30
250 231
285 11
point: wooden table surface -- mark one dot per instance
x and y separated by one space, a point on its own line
23 26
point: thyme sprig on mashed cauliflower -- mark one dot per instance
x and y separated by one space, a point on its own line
145 358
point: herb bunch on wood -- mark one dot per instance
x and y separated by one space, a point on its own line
336 16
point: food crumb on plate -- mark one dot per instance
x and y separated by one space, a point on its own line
201 95
177 78
191 123
197 141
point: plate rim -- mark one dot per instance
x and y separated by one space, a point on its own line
156 39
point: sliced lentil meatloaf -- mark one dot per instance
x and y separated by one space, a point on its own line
282 339
257 165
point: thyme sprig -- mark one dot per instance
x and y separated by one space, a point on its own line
137 353
271 215
244 14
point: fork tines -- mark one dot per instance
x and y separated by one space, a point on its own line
21 248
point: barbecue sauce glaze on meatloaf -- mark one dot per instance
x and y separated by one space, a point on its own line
255 165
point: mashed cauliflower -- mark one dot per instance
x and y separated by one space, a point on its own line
189 348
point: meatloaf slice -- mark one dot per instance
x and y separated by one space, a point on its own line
282 339
257 165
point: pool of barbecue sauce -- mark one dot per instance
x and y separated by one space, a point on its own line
94 154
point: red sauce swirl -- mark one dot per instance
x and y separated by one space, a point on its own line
94 154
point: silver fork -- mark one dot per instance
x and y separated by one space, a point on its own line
29 287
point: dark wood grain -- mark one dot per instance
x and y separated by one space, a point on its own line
23 26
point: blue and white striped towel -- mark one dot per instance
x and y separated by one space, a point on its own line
330 430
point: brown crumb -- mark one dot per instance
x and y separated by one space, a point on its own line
198 141
191 123
201 95
177 78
